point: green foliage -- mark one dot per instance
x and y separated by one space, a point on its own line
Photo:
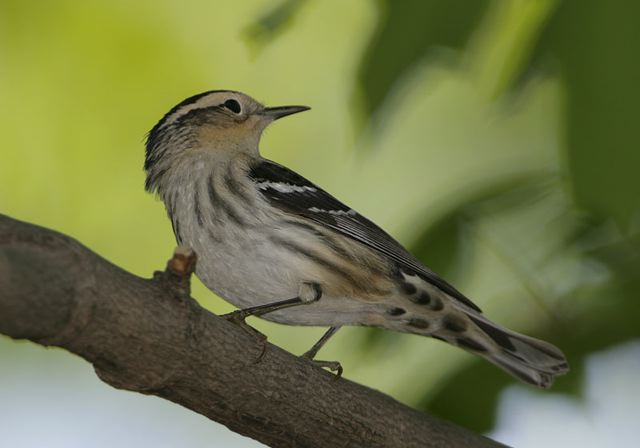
407 32
594 46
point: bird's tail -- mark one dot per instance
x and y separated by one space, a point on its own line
453 318
528 359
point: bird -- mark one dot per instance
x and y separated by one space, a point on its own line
277 246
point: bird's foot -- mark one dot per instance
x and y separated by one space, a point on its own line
238 317
334 366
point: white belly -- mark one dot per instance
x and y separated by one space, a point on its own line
248 271
245 270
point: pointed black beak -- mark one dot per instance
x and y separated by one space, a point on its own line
283 111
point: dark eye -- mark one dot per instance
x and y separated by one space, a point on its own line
233 106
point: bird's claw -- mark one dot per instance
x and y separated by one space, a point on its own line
334 366
238 317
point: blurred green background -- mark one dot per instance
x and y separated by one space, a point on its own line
497 139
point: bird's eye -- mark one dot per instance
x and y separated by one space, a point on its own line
233 106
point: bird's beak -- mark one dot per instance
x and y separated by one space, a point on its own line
282 111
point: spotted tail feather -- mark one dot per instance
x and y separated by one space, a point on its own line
526 358
448 318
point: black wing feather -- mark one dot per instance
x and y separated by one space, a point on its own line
295 194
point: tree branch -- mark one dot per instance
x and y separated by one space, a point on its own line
150 336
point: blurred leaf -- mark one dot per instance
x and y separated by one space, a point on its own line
375 338
478 383
441 245
408 30
595 46
273 22
505 41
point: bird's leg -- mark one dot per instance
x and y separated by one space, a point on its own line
334 366
239 316
309 292
313 351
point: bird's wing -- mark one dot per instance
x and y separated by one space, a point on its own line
294 194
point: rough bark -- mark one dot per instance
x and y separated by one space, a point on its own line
150 336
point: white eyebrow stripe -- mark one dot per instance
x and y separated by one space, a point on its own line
213 99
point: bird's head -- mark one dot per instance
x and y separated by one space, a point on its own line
219 123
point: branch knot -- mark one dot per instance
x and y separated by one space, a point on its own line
177 275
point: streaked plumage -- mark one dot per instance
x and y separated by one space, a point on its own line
261 231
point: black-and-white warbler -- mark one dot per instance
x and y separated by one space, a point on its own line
276 245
